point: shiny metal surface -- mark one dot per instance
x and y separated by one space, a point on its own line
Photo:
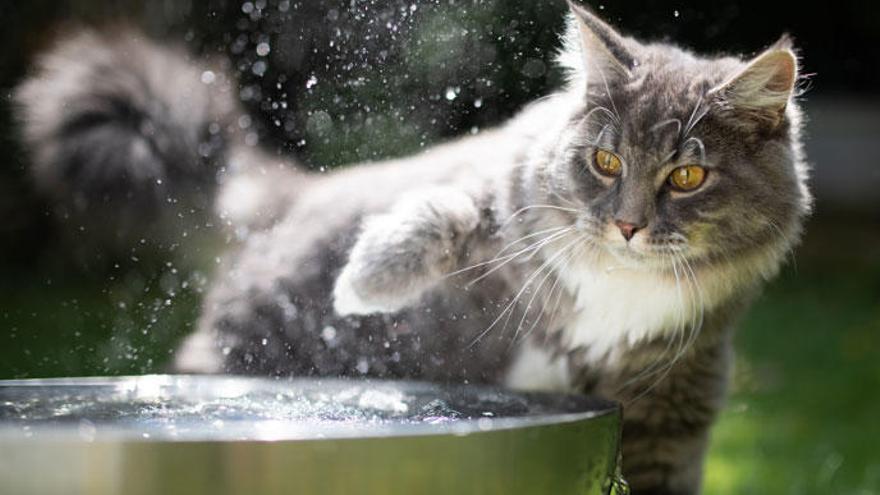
217 435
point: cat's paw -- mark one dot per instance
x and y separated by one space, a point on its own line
405 252
351 298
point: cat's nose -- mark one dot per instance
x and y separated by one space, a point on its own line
627 229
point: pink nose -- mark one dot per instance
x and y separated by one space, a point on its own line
628 230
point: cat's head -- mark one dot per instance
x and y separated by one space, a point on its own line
673 154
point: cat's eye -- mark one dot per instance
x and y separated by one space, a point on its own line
687 178
607 163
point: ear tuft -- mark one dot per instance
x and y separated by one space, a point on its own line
761 91
602 47
785 42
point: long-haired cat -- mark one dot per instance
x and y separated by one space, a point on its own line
604 240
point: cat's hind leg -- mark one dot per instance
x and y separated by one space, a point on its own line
407 251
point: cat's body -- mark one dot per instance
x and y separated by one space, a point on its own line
509 257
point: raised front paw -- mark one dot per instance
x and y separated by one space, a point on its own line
353 293
402 254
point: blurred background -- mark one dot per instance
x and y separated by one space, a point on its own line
345 81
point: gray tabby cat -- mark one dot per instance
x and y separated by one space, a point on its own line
604 240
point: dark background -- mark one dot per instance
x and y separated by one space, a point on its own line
349 81
389 68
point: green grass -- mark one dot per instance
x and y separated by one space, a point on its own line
802 418
804 411
79 326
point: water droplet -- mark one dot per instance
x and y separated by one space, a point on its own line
675 13
263 49
311 82
451 93
363 366
259 68
208 77
328 334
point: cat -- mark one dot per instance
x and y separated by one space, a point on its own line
604 240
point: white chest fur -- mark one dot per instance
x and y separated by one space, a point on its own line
617 307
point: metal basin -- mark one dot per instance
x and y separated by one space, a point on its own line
194 435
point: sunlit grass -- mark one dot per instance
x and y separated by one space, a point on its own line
803 416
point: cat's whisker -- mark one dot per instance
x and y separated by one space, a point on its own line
660 364
608 91
664 123
594 142
559 289
519 294
696 321
565 200
529 236
600 108
697 307
546 265
535 248
535 206
535 292
789 246
700 146
509 257
694 119
551 271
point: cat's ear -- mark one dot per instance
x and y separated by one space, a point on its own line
759 93
603 49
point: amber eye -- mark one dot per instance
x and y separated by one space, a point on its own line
687 178
607 163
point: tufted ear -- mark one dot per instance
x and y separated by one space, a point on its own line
602 47
759 93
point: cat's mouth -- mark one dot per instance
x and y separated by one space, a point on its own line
644 254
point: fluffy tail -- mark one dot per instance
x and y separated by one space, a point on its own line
121 130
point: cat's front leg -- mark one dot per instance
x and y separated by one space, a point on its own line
403 253
667 419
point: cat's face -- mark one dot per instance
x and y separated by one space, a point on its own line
674 156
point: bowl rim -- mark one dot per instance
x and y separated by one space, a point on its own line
595 407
